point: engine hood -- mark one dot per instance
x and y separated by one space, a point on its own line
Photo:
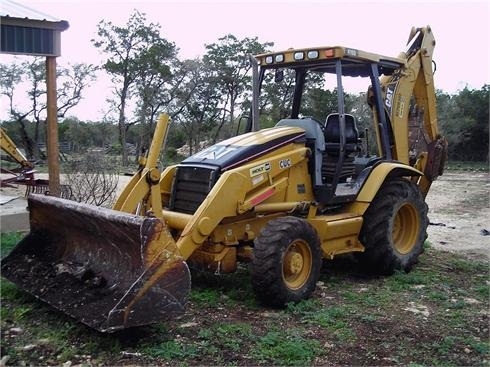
243 148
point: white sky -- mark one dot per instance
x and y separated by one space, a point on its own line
461 29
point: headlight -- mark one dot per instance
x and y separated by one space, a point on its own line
313 54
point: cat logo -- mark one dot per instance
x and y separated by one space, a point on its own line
257 170
390 92
389 97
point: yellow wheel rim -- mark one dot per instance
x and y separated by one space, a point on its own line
406 227
297 264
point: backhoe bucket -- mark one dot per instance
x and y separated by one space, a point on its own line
106 268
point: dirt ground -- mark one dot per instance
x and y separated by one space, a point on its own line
459 211
440 309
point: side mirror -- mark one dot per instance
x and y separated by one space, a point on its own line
248 122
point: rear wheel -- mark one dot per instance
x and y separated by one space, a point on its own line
394 228
286 261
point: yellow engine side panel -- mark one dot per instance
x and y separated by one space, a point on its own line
300 188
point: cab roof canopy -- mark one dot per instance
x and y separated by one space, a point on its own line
323 59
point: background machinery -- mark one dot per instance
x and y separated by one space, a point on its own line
280 199
24 173
21 174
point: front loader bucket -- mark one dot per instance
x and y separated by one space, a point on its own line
106 268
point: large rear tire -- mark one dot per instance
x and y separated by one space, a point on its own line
286 262
394 228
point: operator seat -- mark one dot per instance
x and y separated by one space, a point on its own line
332 134
332 147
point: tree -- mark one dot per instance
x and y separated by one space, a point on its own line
83 135
276 98
473 107
130 50
229 61
11 76
198 102
463 119
320 102
71 82
156 87
92 180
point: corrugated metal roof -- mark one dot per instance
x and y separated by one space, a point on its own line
9 8
26 31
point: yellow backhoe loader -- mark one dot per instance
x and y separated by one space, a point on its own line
281 199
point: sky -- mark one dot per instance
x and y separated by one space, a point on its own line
461 29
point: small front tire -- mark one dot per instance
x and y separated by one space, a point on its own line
286 262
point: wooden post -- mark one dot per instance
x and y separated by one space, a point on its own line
52 127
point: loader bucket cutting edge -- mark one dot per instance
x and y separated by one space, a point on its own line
107 269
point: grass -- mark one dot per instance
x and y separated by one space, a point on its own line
172 350
467 166
435 315
8 241
290 348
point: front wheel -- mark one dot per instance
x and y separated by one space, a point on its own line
286 261
394 228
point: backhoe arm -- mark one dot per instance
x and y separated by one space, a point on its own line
410 102
9 147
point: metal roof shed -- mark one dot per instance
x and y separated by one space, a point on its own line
24 31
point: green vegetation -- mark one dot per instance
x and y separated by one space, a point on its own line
206 97
286 348
463 119
435 315
468 166
9 240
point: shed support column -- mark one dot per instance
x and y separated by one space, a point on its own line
52 127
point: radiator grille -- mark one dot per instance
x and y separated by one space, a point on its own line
191 186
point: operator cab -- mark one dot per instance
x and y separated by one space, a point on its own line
341 160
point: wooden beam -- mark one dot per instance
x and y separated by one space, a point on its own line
52 127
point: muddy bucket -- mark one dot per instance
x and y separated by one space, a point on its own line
108 269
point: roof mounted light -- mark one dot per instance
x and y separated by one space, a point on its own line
269 59
351 52
279 58
313 54
299 55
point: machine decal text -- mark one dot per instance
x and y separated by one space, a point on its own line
257 170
